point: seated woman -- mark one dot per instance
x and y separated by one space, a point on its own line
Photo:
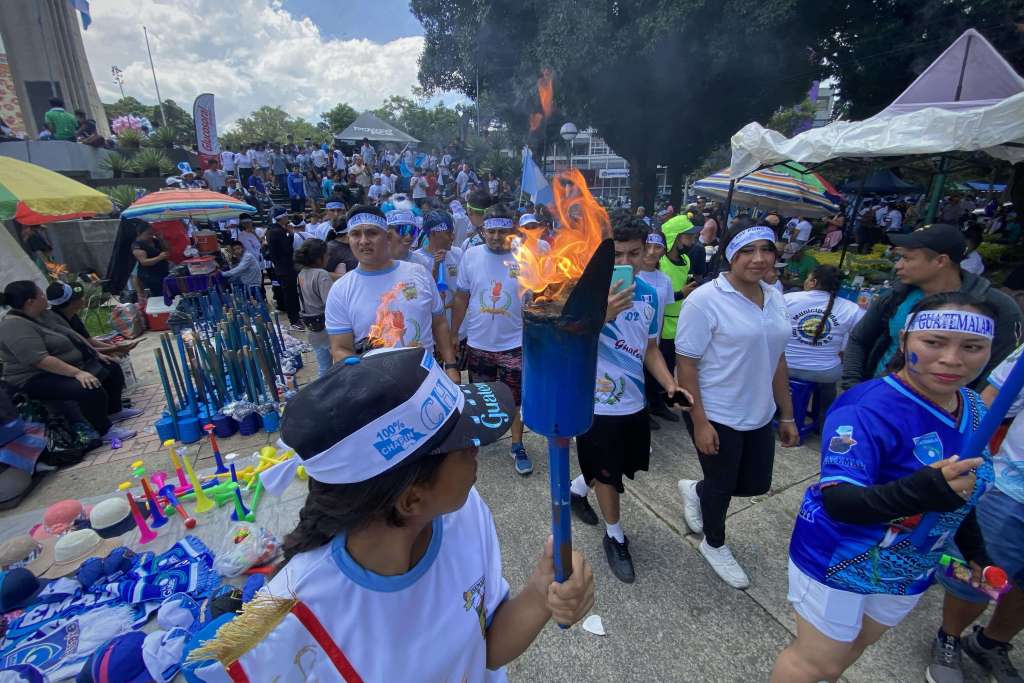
152 256
821 327
47 360
67 301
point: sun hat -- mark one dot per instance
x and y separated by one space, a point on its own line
18 588
27 552
401 407
111 517
74 548
58 519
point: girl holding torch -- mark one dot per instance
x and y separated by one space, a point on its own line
893 491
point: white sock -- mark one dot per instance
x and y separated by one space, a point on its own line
579 486
615 531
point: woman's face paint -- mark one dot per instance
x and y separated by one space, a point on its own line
912 358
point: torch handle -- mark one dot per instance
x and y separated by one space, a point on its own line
561 516
975 441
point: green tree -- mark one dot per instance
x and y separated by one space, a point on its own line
339 117
642 72
179 120
437 126
271 124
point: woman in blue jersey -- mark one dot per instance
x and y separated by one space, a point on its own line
892 492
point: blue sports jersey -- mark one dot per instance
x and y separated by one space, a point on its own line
876 433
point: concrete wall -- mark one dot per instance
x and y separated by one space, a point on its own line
84 245
69 158
43 39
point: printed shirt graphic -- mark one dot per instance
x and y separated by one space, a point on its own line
376 623
1009 461
494 319
619 389
806 310
663 286
354 299
876 433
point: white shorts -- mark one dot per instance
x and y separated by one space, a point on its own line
838 614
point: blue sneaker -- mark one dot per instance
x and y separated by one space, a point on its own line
523 464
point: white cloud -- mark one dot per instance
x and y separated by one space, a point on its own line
247 52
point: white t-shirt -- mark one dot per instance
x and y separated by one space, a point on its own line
452 258
1009 461
662 285
801 231
375 192
429 624
973 263
494 317
421 259
621 347
461 181
354 299
806 310
262 158
319 158
418 185
243 159
227 161
738 346
319 230
339 160
492 187
893 221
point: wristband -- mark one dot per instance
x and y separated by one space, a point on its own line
451 366
791 420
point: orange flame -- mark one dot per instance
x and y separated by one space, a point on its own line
551 270
546 93
389 326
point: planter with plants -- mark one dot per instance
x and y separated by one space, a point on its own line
129 139
151 162
116 163
121 195
161 138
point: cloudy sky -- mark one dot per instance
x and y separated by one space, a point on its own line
302 55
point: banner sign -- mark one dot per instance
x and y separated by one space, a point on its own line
206 124
613 173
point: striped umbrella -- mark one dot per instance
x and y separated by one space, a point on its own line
169 205
767 189
32 195
815 180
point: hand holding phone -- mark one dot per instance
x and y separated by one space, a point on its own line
622 277
676 399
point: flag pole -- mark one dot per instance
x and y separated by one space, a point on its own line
152 68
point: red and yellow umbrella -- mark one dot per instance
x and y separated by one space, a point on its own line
33 195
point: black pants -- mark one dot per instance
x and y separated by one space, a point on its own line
288 301
243 175
298 204
95 404
742 467
652 389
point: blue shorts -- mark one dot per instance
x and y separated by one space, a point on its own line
1001 519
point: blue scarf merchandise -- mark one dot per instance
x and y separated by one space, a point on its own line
128 586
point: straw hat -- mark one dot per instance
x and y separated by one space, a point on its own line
74 548
27 552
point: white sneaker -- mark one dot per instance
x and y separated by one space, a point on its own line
725 565
692 515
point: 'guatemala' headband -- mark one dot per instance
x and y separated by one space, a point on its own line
745 237
367 219
656 238
64 297
943 320
498 224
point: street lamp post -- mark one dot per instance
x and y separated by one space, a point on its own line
569 133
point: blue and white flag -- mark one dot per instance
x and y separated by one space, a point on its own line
82 6
533 181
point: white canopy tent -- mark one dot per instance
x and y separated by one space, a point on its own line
969 99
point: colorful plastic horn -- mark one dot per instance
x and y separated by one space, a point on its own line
203 502
145 533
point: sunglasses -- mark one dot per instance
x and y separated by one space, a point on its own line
404 230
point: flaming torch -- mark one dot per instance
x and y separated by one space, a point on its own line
566 285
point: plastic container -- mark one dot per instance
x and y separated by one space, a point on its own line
224 426
206 242
189 430
203 265
271 422
250 424
165 428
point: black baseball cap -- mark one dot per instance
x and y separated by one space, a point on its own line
941 238
370 413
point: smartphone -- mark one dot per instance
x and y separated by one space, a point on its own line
623 274
677 399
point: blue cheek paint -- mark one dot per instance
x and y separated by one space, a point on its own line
913 358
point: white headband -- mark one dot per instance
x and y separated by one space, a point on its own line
498 224
382 444
64 297
961 322
745 237
656 238
367 219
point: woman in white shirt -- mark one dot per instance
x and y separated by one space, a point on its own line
821 325
729 355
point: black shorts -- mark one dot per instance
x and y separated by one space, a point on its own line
615 445
498 366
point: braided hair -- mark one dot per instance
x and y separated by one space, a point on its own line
828 280
331 509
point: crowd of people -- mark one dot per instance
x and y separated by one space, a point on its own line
722 336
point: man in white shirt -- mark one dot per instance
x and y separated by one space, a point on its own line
893 218
227 161
418 185
215 178
490 301
619 441
319 158
383 302
376 190
243 162
261 159
462 180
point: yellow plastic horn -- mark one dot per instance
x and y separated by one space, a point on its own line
203 502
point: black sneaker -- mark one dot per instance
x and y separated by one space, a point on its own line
582 509
946 663
995 661
654 424
619 559
665 414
